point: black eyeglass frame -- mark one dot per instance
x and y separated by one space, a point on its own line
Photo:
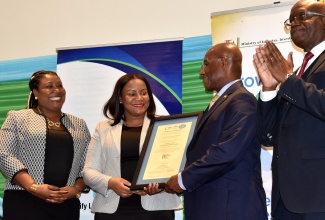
303 16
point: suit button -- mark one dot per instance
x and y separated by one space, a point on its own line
283 125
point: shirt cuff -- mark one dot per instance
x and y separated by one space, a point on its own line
268 95
180 181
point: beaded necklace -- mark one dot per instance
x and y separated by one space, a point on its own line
50 123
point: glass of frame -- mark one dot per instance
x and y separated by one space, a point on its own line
164 149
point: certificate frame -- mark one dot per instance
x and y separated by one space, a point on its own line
171 125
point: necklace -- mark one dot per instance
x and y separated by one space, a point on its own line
50 123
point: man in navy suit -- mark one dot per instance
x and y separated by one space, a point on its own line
222 176
292 117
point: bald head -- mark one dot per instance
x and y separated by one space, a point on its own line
302 3
309 5
318 7
221 65
226 50
233 55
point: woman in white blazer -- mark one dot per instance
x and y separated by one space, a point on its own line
113 154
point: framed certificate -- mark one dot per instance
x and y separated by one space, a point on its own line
164 149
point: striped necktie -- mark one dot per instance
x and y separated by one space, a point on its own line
213 100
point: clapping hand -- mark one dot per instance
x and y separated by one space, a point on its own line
271 66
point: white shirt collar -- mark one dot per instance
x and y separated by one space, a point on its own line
226 87
317 50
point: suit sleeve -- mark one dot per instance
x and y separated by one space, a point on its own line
9 147
266 118
235 130
308 96
92 172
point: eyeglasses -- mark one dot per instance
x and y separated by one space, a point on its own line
302 16
209 61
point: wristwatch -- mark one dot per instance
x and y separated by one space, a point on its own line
287 76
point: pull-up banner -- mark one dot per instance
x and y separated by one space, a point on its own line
90 73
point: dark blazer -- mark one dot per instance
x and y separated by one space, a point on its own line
223 171
294 123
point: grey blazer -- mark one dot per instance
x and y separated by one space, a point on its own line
23 143
103 163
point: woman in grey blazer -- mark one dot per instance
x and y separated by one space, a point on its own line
42 153
113 154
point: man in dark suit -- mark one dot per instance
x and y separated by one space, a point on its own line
292 117
222 176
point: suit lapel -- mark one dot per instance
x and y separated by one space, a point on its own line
308 73
116 134
313 67
219 101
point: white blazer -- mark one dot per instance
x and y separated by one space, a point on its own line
103 162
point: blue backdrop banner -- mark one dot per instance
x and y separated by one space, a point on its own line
90 73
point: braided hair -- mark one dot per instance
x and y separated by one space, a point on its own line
33 84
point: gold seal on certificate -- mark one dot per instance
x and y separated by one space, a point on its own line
163 153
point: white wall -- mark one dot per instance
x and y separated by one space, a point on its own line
37 27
